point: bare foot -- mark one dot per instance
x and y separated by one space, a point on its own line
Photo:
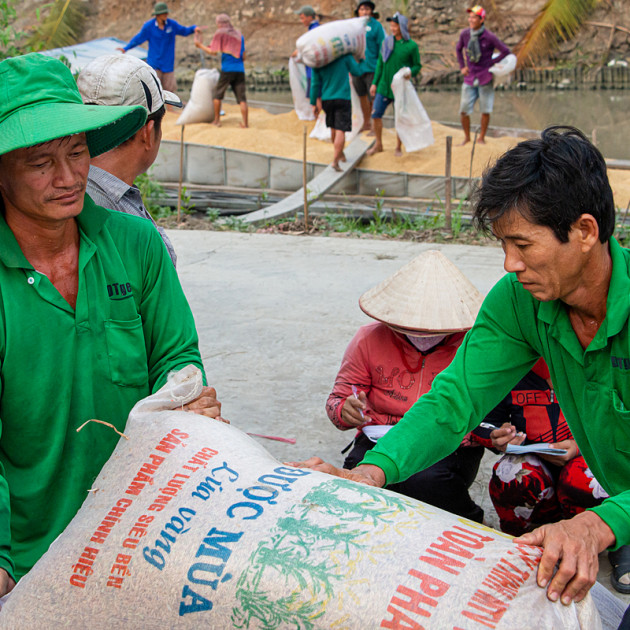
342 158
216 123
398 153
377 148
481 141
336 166
463 142
364 128
243 126
371 133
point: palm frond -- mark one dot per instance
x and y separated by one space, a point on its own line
558 20
61 26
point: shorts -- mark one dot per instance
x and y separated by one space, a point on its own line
381 103
236 80
338 114
363 83
470 94
167 79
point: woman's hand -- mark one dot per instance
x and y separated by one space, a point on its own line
504 435
560 460
352 412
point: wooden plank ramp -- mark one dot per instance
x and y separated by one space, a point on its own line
315 188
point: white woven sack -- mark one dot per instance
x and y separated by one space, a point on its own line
297 81
321 45
191 524
200 107
505 66
411 120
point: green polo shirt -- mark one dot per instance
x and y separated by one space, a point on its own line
404 55
332 82
62 366
512 330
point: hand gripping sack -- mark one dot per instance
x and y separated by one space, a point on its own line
412 122
297 81
200 108
192 524
321 45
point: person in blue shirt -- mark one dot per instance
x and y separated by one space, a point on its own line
160 32
308 17
230 42
374 36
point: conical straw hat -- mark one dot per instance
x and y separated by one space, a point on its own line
428 294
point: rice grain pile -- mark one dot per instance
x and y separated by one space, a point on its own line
281 135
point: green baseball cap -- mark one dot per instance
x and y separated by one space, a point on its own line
160 8
40 101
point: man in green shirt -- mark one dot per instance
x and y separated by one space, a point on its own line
330 91
92 315
565 298
398 51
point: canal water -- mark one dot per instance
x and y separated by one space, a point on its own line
605 111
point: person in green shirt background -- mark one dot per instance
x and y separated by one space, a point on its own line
92 315
549 203
330 91
398 51
374 36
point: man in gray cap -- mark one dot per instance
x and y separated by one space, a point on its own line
160 32
92 315
308 17
126 80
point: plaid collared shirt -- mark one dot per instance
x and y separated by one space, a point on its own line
110 192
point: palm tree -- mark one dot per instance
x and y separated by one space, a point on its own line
558 20
62 26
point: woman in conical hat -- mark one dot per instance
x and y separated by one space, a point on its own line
422 313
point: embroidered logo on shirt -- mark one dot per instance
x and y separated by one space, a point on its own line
119 291
620 362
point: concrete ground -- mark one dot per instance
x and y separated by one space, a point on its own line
275 314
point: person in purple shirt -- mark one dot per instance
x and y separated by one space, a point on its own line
160 31
474 54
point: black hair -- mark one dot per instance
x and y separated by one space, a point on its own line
157 117
551 180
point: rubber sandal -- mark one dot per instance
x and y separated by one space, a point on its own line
620 563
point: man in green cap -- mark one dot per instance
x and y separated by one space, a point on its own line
92 315
160 32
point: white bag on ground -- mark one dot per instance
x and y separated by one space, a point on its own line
505 66
200 107
297 81
321 45
412 122
192 524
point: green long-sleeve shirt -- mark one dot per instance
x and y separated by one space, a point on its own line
62 366
332 81
405 54
512 330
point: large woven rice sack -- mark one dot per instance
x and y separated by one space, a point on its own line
191 524
200 107
321 45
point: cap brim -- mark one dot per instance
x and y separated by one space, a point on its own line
170 98
105 126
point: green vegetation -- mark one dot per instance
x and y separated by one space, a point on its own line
151 190
9 37
558 20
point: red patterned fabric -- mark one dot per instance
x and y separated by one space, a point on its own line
527 492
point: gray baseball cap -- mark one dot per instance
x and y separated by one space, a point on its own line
123 80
